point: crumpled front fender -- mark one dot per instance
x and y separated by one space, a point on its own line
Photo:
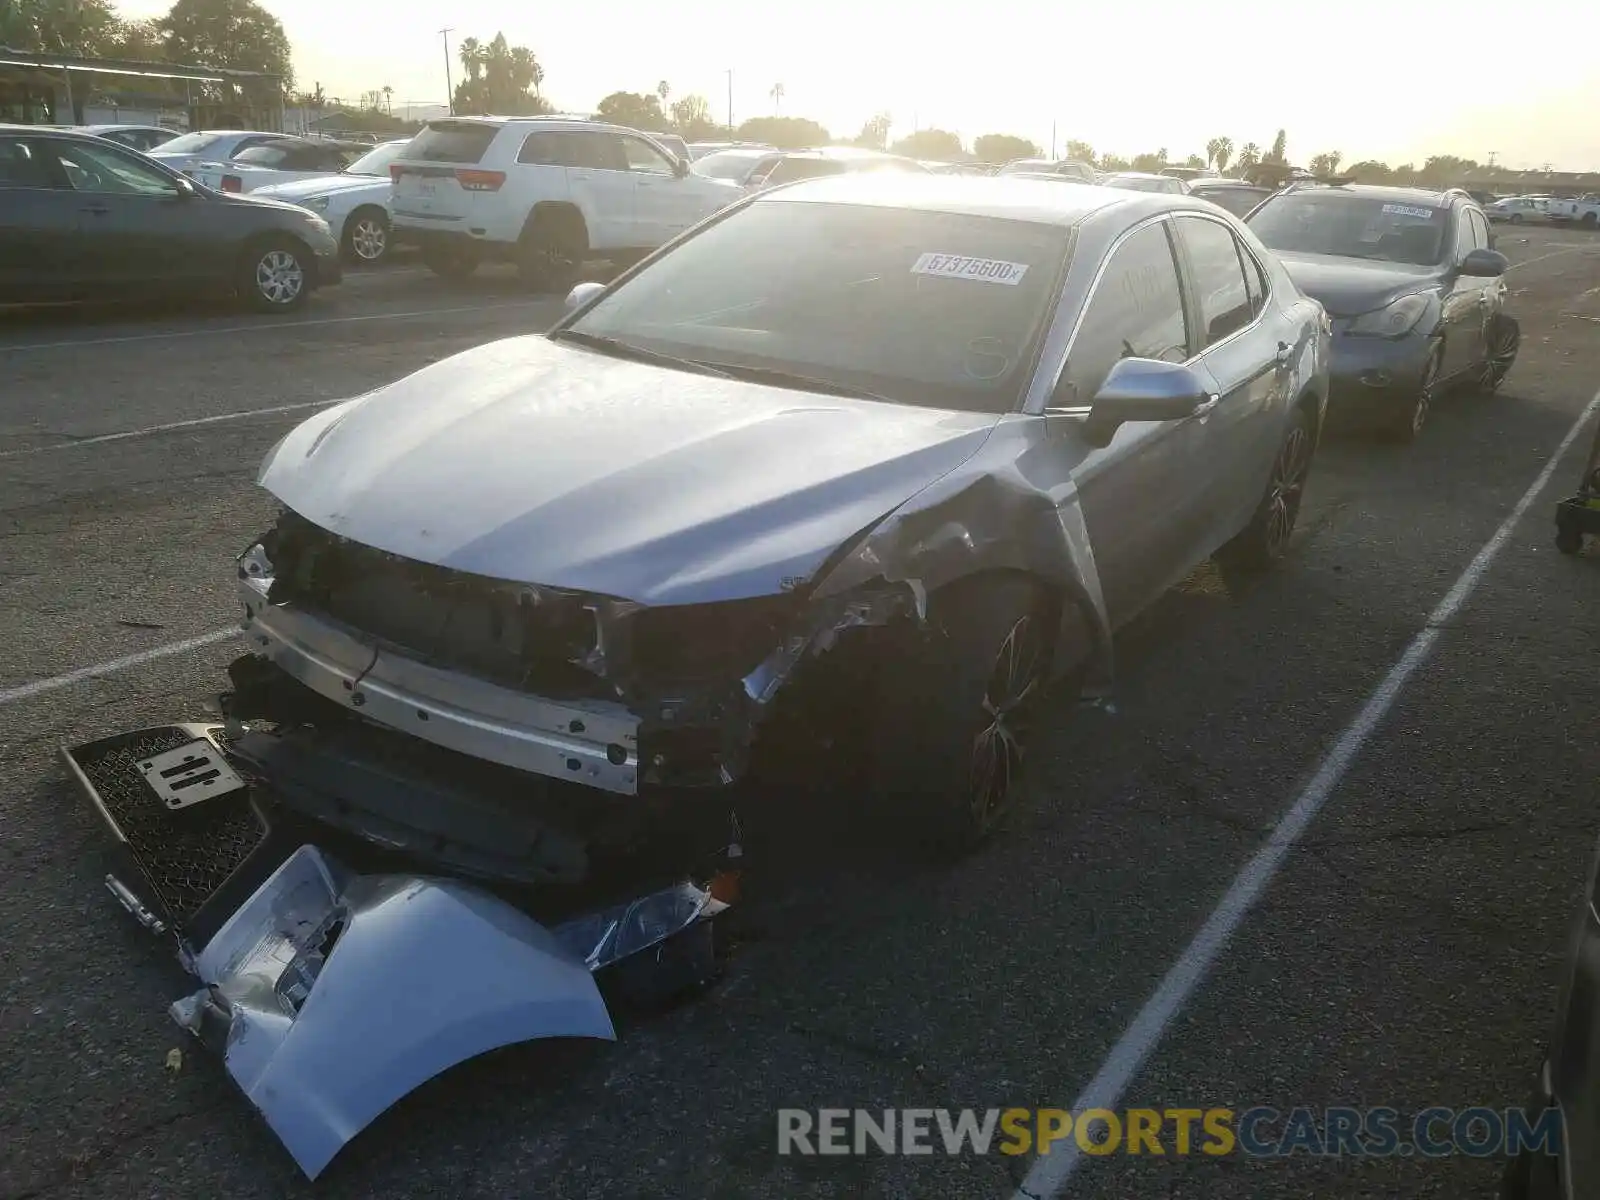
335 995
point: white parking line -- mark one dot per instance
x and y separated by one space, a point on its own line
1050 1173
265 325
1553 254
100 439
39 687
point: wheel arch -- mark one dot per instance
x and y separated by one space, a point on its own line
562 212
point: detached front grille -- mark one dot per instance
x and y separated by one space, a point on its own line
516 635
184 856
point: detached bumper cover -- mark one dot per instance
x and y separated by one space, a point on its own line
331 994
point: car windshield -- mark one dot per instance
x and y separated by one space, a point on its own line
736 165
376 162
190 143
916 307
1353 226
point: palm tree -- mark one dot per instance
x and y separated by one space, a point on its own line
663 89
388 99
777 97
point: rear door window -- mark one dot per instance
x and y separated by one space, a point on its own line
1219 281
448 142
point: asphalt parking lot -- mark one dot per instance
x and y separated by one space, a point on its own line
1404 954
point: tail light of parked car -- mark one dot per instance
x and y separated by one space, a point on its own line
232 183
480 181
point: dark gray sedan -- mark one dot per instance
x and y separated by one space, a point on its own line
85 220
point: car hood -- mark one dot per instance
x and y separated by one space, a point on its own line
1347 287
544 463
325 185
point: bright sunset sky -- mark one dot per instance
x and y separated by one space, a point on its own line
1371 78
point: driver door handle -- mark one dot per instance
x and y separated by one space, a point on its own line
1285 354
1211 402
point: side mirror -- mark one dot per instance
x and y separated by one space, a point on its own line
1145 389
1484 264
582 294
186 189
680 168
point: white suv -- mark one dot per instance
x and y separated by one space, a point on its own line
543 192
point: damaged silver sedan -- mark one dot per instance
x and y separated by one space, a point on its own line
863 463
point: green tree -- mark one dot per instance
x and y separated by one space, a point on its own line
1113 162
75 27
777 99
141 41
1404 173
1326 163
786 133
238 35
691 119
1446 169
1218 151
1369 170
633 109
1195 161
874 134
1150 162
938 144
1080 151
1280 148
1249 156
500 78
1006 147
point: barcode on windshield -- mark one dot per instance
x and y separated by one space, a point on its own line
957 266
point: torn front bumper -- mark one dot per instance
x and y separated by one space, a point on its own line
330 992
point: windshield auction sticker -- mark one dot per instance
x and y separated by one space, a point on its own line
1405 210
956 266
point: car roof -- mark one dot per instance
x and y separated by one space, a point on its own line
1438 197
1042 202
1138 175
1217 182
744 152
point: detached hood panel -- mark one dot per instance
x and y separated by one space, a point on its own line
1347 287
537 462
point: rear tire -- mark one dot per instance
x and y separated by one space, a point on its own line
1264 542
551 250
276 275
954 701
1590 220
450 262
1500 352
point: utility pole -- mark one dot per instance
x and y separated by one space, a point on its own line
1052 141
730 102
449 84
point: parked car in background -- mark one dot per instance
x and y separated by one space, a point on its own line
1584 211
212 145
281 161
1235 195
83 219
1072 168
1140 181
792 165
544 193
1186 173
354 202
1415 288
672 142
1518 210
143 138
737 164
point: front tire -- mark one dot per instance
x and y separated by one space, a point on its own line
1408 425
366 236
955 702
276 275
1265 540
